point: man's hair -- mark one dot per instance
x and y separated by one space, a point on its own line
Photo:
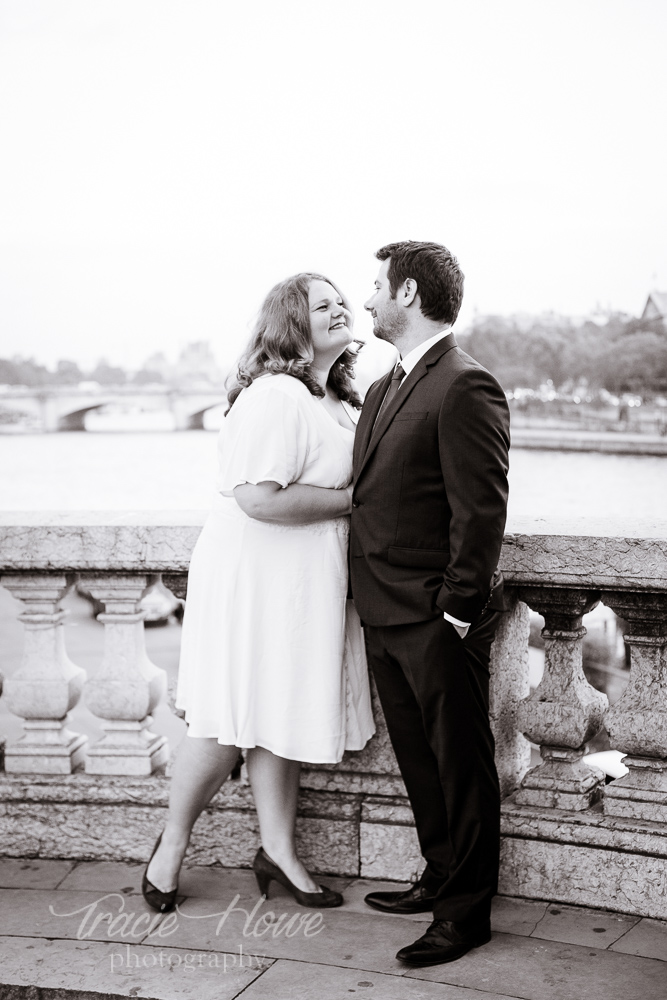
436 271
281 343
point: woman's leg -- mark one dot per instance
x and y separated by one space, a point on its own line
200 768
275 787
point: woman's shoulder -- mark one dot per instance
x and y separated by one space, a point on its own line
280 383
280 394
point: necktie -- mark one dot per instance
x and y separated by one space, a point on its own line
396 380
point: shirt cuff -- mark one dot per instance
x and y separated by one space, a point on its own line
455 621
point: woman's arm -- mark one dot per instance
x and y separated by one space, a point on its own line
296 504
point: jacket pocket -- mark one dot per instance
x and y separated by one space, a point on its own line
397 555
411 415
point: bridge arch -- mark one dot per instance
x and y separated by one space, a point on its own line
76 420
189 413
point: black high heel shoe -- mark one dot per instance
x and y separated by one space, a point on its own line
163 902
265 870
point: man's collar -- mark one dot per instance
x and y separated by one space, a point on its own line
418 352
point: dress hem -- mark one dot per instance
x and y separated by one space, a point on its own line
302 760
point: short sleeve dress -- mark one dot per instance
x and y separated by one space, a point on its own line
272 653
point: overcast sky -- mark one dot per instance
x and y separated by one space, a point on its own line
164 162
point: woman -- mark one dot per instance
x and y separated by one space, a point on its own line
272 656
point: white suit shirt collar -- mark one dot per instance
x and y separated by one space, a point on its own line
418 352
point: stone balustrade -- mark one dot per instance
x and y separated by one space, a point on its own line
48 685
128 686
564 712
566 835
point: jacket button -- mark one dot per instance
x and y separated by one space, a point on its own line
355 503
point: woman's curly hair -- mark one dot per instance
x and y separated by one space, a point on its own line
281 343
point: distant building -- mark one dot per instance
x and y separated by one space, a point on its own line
158 363
197 365
656 306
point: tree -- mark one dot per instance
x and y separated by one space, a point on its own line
516 355
636 362
620 355
106 374
20 371
145 376
68 373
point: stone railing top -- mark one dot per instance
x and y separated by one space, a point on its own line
583 552
602 553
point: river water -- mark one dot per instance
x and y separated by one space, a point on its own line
165 470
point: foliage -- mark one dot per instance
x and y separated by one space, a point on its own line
21 371
637 363
620 355
68 373
146 376
107 374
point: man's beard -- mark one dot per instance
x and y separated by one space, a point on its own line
390 327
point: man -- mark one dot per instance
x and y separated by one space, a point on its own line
428 516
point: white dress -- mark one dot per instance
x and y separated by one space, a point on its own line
272 653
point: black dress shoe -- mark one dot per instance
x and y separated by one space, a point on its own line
163 902
267 870
416 899
445 941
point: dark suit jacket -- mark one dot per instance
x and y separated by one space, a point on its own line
430 493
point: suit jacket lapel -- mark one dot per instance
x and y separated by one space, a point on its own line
373 434
367 418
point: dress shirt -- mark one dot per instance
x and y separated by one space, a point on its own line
418 352
407 364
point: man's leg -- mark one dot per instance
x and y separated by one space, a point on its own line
416 760
437 716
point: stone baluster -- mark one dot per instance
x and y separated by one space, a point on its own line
508 687
637 724
564 711
47 685
128 686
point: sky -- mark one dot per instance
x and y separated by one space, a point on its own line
165 162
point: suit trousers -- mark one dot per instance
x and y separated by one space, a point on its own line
434 690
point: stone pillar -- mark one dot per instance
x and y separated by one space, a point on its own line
128 686
508 687
47 685
48 408
637 724
564 711
180 411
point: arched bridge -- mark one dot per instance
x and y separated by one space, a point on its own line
64 408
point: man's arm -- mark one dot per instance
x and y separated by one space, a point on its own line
474 444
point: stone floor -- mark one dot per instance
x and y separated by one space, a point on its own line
82 931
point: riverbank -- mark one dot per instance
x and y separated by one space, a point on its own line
560 439
533 438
